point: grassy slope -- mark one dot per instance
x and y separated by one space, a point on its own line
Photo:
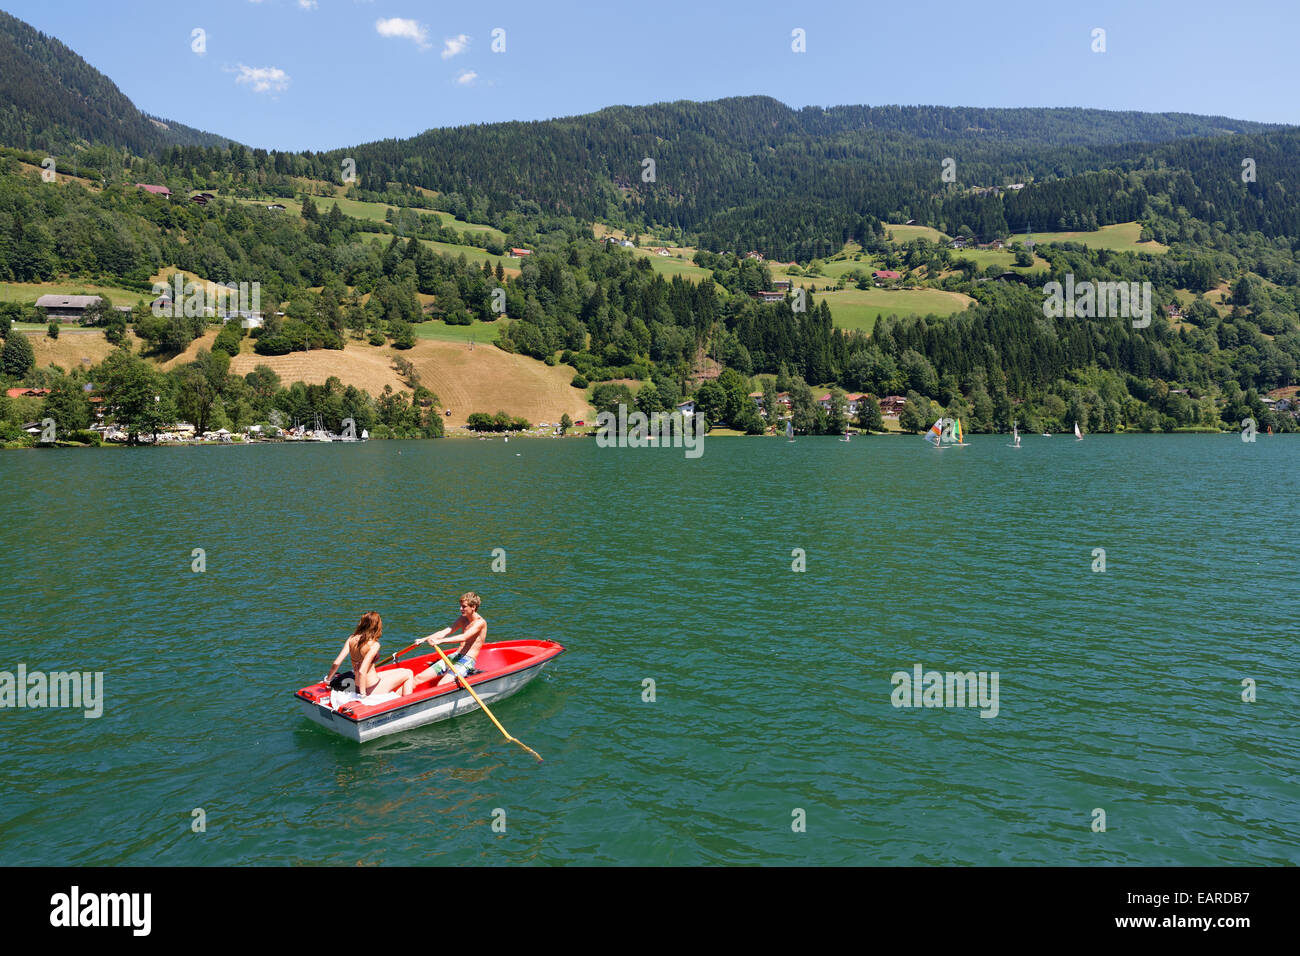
860 308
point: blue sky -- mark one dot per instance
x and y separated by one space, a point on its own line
319 74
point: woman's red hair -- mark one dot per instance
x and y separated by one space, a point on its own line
370 628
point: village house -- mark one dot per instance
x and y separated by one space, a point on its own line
519 253
276 207
769 296
886 275
687 407
781 284
758 256
248 319
155 190
851 402
892 405
661 251
27 392
67 308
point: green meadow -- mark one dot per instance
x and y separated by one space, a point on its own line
1121 237
376 212
858 309
903 234
482 333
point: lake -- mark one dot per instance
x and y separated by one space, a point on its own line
772 736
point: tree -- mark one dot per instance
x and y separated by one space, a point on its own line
67 405
17 358
565 423
803 408
607 397
869 417
647 399
711 399
771 403
836 420
52 330
913 418
135 395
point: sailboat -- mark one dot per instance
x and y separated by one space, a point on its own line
1015 436
846 435
789 430
959 440
1078 435
935 435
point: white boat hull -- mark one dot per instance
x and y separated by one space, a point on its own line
432 710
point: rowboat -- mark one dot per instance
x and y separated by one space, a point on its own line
502 669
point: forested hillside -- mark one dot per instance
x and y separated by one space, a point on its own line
51 99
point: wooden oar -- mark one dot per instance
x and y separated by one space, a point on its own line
451 668
394 656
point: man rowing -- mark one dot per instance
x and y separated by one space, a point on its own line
471 642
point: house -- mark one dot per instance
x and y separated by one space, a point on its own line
519 253
155 190
686 408
26 392
891 405
781 284
67 308
757 256
851 402
995 244
200 199
276 207
627 243
1016 186
660 251
886 275
910 222
769 296
247 318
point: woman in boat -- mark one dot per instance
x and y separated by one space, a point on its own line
362 646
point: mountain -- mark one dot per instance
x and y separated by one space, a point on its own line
52 99
751 172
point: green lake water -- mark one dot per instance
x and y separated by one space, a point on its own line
1120 691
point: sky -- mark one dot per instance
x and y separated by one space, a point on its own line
324 74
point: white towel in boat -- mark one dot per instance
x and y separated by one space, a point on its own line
340 697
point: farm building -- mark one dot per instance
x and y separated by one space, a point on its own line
67 308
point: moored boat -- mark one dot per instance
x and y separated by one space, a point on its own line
502 669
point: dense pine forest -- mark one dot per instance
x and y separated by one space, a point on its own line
742 183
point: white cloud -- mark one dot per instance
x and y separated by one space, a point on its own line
263 79
454 45
307 4
466 78
406 29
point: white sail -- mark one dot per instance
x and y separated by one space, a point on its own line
1077 434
